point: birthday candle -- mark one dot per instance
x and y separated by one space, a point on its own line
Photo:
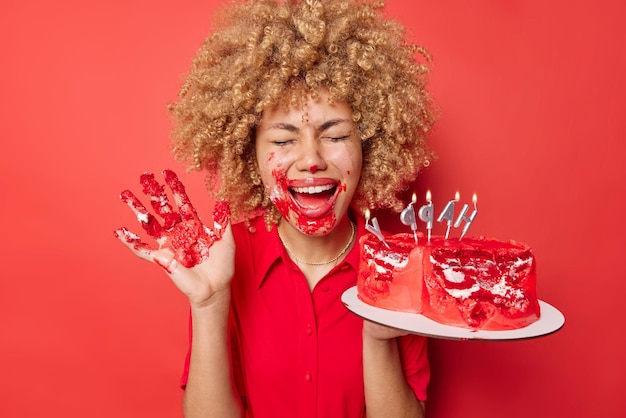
374 228
425 213
448 213
407 217
468 219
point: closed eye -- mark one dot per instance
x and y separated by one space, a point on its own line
284 142
338 138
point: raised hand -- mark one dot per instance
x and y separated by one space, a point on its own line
182 239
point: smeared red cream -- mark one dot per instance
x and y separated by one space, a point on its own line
221 216
318 217
475 283
146 219
183 233
158 199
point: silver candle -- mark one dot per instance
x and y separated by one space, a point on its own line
448 213
407 217
468 219
426 214
374 228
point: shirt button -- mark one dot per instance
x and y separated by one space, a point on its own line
308 377
309 330
325 288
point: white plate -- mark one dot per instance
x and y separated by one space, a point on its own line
551 320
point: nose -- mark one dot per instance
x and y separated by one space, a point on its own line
310 156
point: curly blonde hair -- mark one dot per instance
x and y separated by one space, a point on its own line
265 53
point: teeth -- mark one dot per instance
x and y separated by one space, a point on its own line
313 189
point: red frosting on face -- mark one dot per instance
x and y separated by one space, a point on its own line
312 145
290 210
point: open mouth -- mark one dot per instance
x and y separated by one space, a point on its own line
311 200
313 196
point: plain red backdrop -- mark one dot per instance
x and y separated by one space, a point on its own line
531 96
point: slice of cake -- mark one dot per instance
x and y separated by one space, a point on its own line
476 283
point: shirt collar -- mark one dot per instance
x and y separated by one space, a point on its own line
272 250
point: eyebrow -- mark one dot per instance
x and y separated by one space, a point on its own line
284 126
292 128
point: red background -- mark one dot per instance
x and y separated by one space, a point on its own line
531 93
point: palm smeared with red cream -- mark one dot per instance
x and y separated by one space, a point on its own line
182 232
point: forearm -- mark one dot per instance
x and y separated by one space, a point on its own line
387 394
210 390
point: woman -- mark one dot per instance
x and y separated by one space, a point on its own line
305 113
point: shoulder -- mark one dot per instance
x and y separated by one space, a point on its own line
257 249
254 241
254 229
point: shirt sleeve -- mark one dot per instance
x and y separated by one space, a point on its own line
414 357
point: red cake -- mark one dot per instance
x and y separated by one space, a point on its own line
477 283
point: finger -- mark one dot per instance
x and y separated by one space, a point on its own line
223 248
221 217
163 259
168 264
134 243
227 236
159 200
186 209
145 218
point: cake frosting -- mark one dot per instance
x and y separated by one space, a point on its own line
477 283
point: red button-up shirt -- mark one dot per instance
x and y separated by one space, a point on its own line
296 352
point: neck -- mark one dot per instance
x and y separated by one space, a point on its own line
327 249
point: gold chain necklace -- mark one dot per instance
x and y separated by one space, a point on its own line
312 263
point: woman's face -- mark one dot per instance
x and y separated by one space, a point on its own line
310 162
